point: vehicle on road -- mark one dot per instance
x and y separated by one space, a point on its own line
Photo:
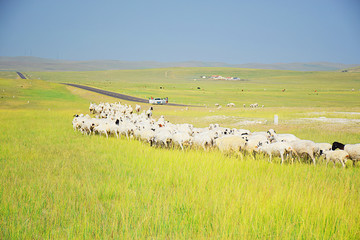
158 101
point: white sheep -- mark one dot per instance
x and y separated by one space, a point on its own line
181 138
304 147
338 155
321 147
231 144
253 141
163 137
276 149
149 113
137 108
354 152
352 149
274 137
102 129
204 139
230 105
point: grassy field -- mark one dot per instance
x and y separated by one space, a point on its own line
333 89
56 183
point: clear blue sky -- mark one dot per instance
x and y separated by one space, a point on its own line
231 31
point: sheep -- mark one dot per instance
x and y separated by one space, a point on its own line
148 135
217 105
116 119
276 149
321 147
149 112
204 139
163 136
352 149
338 155
253 141
230 105
241 132
181 138
231 144
274 137
254 105
102 128
137 108
304 147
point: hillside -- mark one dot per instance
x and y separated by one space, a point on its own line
43 64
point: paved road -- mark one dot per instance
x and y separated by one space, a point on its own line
118 95
21 75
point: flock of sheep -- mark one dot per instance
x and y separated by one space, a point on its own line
117 119
254 105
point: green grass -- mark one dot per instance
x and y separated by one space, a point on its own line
333 89
56 183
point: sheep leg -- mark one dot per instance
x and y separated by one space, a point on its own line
282 158
270 157
204 146
252 154
342 162
313 158
241 155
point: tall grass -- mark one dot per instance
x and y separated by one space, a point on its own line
56 183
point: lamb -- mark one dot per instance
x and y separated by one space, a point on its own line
338 155
352 149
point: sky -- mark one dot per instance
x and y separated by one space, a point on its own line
230 31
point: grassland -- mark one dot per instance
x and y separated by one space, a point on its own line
333 89
56 183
